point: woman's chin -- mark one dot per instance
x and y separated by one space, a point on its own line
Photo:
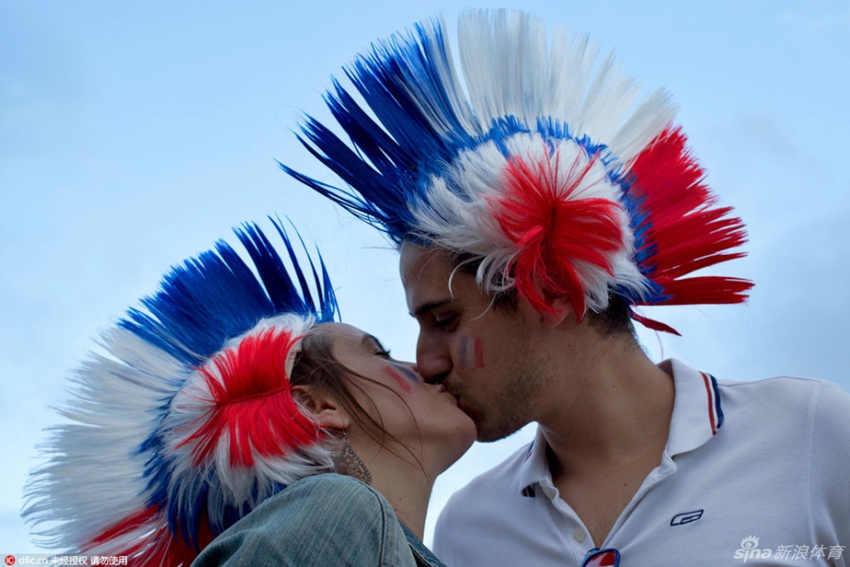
456 446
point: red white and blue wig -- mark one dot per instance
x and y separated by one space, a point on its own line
187 422
536 160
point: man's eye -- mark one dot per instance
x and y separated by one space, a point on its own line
445 321
383 353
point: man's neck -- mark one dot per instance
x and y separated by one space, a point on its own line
610 432
622 408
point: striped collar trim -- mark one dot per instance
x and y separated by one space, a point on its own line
697 408
535 467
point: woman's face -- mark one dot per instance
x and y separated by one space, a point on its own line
408 408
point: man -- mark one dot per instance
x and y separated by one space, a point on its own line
603 408
535 212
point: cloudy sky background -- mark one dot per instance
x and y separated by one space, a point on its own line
134 135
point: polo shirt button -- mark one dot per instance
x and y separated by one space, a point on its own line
579 535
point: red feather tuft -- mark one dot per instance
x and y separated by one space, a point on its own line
684 233
654 325
133 522
555 231
253 405
159 547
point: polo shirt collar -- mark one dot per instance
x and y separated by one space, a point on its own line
697 412
535 469
697 415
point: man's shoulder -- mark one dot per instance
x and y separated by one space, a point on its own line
799 411
776 383
785 392
799 429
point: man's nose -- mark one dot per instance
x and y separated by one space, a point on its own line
433 358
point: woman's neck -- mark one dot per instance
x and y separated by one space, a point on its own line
406 487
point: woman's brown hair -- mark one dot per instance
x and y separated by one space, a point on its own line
317 367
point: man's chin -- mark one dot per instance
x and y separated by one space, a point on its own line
488 432
482 433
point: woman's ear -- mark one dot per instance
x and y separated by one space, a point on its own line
321 408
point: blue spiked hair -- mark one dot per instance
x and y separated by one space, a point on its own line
215 297
423 119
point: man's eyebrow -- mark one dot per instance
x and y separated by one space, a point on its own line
425 308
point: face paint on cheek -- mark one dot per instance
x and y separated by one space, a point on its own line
462 353
406 372
479 353
399 380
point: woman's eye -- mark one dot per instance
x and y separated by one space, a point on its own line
383 353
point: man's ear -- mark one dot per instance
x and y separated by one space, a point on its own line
561 309
323 409
559 306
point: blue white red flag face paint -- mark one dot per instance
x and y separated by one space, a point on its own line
463 354
402 375
479 353
470 353
364 355
407 372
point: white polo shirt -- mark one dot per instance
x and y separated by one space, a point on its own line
754 473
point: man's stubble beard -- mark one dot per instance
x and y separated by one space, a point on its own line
516 403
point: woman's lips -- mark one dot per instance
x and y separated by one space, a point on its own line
441 388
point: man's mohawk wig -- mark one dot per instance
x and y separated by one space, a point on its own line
534 162
188 423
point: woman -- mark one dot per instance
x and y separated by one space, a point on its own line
235 417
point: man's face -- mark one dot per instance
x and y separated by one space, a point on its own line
484 355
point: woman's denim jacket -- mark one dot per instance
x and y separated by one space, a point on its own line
321 520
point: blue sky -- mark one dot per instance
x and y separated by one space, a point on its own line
134 135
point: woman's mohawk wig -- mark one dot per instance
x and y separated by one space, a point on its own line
534 161
187 423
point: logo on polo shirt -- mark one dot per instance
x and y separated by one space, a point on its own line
686 518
